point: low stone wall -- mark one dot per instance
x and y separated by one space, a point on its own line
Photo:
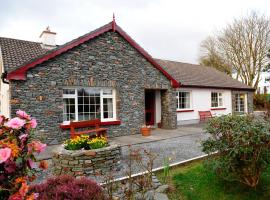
85 162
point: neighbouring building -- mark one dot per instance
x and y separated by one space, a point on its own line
105 74
264 83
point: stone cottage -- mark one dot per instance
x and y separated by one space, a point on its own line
105 74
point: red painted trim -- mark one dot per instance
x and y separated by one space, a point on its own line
184 110
218 108
117 122
20 73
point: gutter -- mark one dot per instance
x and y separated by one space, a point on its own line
4 77
4 74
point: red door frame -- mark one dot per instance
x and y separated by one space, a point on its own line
150 105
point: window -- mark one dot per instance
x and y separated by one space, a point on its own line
89 103
183 100
240 102
216 99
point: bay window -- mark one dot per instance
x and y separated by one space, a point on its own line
89 103
183 100
216 99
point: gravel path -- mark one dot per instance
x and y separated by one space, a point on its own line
177 149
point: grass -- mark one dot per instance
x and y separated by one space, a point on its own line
194 182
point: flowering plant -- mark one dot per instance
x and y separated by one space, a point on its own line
17 160
84 141
97 142
146 126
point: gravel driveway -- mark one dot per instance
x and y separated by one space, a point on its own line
183 147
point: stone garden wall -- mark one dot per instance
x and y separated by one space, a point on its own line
85 162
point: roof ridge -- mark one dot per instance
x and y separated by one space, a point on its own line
180 62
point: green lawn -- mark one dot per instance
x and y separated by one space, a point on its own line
194 182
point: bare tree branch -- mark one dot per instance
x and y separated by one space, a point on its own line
241 47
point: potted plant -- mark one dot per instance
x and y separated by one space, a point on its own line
146 130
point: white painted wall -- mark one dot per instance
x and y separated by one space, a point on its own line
4 92
264 83
158 106
201 101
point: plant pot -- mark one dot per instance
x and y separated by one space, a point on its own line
146 131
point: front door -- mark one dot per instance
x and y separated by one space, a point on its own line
149 107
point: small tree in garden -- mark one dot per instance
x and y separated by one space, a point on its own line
17 160
242 144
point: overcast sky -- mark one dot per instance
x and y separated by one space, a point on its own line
168 29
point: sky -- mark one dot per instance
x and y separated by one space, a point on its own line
167 29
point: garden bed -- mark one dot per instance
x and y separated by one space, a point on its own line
194 182
85 162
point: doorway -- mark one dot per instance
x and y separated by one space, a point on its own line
149 107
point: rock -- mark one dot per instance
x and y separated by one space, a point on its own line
162 189
150 195
138 196
160 196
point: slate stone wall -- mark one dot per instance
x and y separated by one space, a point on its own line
86 162
249 96
106 61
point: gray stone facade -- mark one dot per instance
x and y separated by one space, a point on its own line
249 96
106 61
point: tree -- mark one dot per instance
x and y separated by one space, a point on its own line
211 58
241 47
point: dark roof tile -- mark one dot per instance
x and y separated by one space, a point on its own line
200 76
16 52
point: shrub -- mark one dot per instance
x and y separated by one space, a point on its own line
16 155
260 100
85 142
242 146
68 188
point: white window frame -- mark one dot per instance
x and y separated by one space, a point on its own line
102 96
218 98
245 103
190 100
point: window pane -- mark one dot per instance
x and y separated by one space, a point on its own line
107 107
68 91
69 109
240 102
183 100
107 92
214 99
88 103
